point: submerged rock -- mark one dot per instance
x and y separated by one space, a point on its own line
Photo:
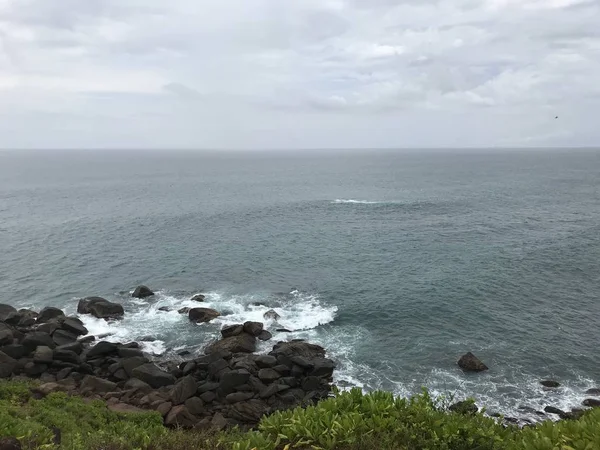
470 363
550 383
142 292
271 315
201 315
198 298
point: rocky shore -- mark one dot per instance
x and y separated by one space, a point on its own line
229 385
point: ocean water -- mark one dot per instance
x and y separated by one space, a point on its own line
396 262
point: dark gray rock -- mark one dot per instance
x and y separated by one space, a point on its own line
230 380
164 309
232 330
164 408
311 384
550 383
7 365
75 326
216 367
131 363
297 371
66 356
34 370
188 368
265 336
283 330
184 310
237 397
73 347
125 352
6 337
97 385
249 412
100 307
465 407
5 310
271 315
268 375
591 402
36 339
63 373
142 292
273 389
253 328
594 391
180 417
302 362
208 396
151 374
198 298
298 348
102 348
256 385
265 361
244 343
195 406
553 410
43 355
48 327
289 381
10 443
202 315
470 363
184 389
207 387
86 339
323 368
62 337
49 313
15 351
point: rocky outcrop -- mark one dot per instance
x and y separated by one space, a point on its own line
271 315
153 375
550 383
201 315
142 292
49 313
591 402
198 298
242 343
470 363
100 308
593 391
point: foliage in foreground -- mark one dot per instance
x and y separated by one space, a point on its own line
352 420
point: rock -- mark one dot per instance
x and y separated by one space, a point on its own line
179 416
283 370
298 348
34 370
283 330
15 351
9 443
243 343
75 326
271 315
553 410
268 375
208 397
63 373
550 383
152 375
302 362
237 397
7 365
62 337
201 315
311 384
218 422
470 363
216 367
102 348
48 388
47 378
272 390
195 406
184 310
73 347
265 335
464 407
184 389
36 339
591 402
265 361
98 385
164 308
206 387
253 328
6 337
230 380
5 310
66 356
43 355
198 298
142 292
574 414
323 368
125 352
87 339
594 391
164 408
100 307
232 330
49 313
248 412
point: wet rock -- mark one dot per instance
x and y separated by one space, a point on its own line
100 307
98 385
5 310
87 339
10 443
553 410
202 315
49 313
464 407
298 348
142 292
232 330
164 309
283 330
594 391
198 298
195 406
7 365
184 389
271 315
268 375
550 383
62 337
265 361
265 335
43 355
184 310
253 328
36 339
470 363
179 416
151 374
102 348
591 402
75 326
244 343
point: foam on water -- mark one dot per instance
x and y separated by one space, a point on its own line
351 201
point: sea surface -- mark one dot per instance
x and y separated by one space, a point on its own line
396 262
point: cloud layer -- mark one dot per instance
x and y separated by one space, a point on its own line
299 73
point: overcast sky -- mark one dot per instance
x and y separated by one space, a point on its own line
299 73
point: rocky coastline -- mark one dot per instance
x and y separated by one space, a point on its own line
229 385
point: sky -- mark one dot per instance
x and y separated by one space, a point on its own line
283 74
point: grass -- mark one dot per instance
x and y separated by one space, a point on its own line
349 421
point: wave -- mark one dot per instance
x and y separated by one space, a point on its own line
357 202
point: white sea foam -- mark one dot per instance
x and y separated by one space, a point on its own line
360 202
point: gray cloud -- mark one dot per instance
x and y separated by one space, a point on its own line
310 73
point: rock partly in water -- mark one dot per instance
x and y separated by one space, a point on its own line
198 298
271 315
100 308
75 326
243 343
594 391
265 335
253 328
591 402
470 363
49 313
232 330
142 292
201 315
553 410
464 407
550 383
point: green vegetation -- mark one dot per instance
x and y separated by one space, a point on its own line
349 421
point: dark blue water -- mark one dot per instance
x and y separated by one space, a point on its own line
397 262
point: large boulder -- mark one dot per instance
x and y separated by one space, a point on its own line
550 384
6 336
154 376
99 385
198 298
232 330
253 328
102 348
179 416
591 402
271 315
298 348
7 365
200 315
184 389
142 292
100 307
5 310
43 355
49 313
242 343
249 412
36 339
470 363
75 326
62 337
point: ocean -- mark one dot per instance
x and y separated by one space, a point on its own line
398 262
